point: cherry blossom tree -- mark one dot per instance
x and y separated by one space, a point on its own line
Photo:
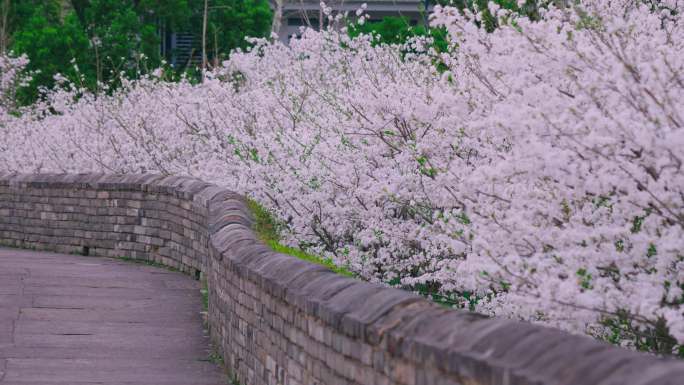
532 172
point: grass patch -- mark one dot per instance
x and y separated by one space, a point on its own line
215 358
204 290
268 229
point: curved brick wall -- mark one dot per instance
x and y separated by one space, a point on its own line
279 320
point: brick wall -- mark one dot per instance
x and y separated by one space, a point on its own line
280 320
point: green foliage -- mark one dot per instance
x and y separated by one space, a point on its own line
530 8
108 39
637 222
121 37
268 229
266 226
389 30
454 299
215 358
584 279
230 21
52 48
653 338
20 11
397 30
205 294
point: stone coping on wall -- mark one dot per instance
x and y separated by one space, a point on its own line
280 320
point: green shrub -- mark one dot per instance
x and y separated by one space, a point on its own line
269 230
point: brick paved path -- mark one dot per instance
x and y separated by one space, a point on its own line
73 320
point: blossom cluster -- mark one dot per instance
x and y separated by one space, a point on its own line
532 172
12 76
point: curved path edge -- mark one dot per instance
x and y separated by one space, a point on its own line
281 320
75 320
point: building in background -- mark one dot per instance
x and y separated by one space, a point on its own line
183 49
180 49
298 13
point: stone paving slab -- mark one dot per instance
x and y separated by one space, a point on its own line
14 300
81 291
132 329
10 285
76 320
6 330
107 369
157 316
132 352
86 281
179 302
9 313
102 383
107 341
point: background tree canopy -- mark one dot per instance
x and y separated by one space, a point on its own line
91 41
397 29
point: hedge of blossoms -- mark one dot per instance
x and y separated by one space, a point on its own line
538 177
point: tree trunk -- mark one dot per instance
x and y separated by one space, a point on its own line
4 26
204 38
277 17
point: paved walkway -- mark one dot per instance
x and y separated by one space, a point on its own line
72 320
